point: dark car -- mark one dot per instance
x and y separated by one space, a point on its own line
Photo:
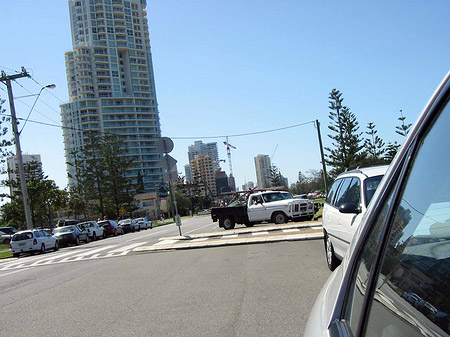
111 227
71 235
395 278
67 222
8 232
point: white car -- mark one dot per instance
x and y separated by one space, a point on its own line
31 241
401 247
144 223
95 231
345 206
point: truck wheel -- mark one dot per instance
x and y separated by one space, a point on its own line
279 218
227 223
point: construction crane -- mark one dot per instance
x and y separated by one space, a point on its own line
229 147
273 154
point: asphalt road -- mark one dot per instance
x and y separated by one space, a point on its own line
248 290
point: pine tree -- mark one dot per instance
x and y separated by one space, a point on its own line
403 128
374 145
347 141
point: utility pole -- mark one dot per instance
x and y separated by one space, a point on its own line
324 170
23 184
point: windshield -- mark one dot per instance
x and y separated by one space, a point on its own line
103 223
124 222
276 196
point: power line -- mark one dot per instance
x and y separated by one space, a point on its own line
247 134
197 137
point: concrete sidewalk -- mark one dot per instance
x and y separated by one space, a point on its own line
311 230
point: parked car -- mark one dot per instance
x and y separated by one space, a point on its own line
111 227
345 206
144 223
129 225
6 234
31 241
402 244
67 222
95 231
71 235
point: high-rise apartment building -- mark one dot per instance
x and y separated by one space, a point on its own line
204 148
262 166
13 169
203 173
188 173
111 83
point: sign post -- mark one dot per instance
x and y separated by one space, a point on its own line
165 145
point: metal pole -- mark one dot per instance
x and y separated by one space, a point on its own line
324 170
23 183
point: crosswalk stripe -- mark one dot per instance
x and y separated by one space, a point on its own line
128 248
93 251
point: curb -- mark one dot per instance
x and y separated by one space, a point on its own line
188 244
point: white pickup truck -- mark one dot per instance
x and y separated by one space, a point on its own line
274 206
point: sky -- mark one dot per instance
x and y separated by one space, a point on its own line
227 68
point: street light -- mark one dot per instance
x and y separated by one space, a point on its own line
48 86
23 183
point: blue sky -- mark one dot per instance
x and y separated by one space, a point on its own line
231 67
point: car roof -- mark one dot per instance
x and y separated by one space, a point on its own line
368 171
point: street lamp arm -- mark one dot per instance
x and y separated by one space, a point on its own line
49 86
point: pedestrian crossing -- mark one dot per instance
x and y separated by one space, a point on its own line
59 257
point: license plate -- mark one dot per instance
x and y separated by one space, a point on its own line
22 244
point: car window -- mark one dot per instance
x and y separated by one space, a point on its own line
417 258
411 285
370 186
37 234
22 236
332 191
349 192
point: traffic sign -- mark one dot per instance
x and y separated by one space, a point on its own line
168 162
164 145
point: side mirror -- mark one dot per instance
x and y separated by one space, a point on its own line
349 207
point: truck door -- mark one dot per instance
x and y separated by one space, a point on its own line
256 209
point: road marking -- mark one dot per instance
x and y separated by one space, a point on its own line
291 230
93 251
128 248
260 233
13 272
166 242
198 228
200 239
155 232
229 236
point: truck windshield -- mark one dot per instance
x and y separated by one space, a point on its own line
276 196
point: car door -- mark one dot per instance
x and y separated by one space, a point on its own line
405 244
335 219
349 222
256 210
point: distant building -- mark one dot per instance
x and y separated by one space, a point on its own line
284 181
262 167
248 186
201 148
222 182
13 168
188 173
203 173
